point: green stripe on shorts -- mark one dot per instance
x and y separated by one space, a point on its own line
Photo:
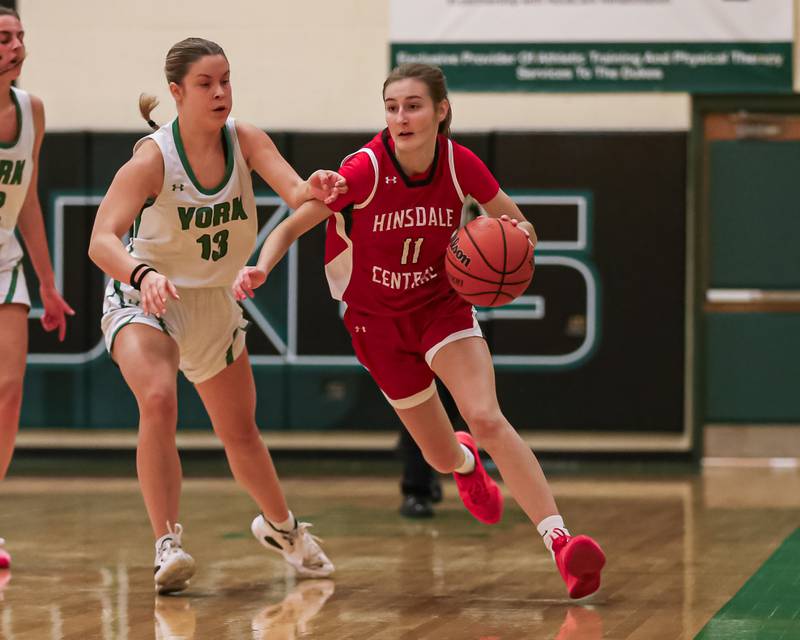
118 291
767 607
116 331
229 352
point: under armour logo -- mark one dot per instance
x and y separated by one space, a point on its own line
393 179
359 328
175 187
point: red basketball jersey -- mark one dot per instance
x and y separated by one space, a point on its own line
386 244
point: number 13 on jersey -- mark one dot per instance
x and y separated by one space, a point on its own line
220 239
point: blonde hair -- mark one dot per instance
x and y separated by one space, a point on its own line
179 58
435 81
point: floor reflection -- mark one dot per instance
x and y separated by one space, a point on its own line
581 623
290 618
174 618
679 548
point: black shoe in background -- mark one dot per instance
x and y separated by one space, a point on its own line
416 507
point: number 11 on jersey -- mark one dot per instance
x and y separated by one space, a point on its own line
407 246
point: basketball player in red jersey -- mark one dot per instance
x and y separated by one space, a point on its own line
384 258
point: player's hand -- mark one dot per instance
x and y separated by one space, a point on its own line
154 290
327 185
56 311
524 226
249 278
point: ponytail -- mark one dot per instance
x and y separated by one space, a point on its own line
146 105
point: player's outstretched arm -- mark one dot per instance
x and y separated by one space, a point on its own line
306 217
263 157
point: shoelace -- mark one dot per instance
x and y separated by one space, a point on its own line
316 550
174 542
177 531
558 539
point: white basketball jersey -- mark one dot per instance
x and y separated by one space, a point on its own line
197 237
16 168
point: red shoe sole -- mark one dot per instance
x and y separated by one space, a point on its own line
584 561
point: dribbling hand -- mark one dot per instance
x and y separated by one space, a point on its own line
327 185
249 278
154 291
524 226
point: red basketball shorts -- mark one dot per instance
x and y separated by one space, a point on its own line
398 350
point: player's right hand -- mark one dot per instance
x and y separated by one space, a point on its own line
249 278
154 291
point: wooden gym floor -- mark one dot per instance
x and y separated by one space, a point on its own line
679 548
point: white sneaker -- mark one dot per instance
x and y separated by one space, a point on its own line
298 547
173 566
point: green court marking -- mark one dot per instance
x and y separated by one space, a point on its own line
234 535
767 607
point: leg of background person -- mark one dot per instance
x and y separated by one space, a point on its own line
13 352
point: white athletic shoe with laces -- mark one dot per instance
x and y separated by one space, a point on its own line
298 547
173 566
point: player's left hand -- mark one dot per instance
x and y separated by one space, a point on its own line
55 311
327 185
524 226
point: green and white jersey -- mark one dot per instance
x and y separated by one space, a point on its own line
197 237
16 168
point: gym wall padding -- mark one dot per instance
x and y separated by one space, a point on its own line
630 188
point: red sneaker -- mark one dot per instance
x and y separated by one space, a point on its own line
5 559
579 560
479 493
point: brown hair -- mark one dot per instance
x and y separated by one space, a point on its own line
435 81
179 58
8 11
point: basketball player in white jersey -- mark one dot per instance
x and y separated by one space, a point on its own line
21 133
169 305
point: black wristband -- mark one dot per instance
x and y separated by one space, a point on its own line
136 269
138 282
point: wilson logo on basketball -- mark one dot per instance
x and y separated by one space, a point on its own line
457 253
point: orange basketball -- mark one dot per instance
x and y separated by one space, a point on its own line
489 262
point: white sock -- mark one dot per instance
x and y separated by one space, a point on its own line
287 525
468 466
550 528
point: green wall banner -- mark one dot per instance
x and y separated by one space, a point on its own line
599 45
